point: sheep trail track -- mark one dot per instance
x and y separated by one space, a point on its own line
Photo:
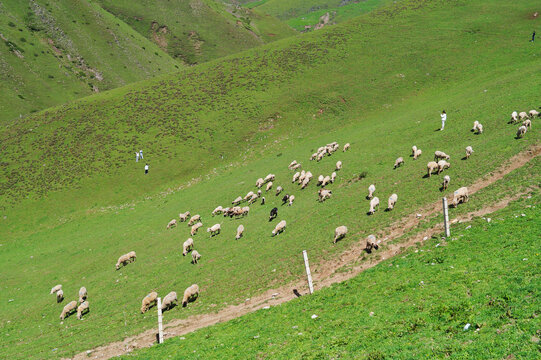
328 272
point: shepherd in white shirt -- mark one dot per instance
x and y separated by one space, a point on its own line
141 154
443 118
146 169
136 156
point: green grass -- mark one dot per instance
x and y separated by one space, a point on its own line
73 198
420 302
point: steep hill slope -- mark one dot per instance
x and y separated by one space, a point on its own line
56 51
74 199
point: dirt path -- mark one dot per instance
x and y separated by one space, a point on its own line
325 273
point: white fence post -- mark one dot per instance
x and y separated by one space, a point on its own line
160 324
446 218
308 274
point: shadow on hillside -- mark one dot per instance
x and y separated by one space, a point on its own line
297 293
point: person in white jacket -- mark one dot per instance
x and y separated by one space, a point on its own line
136 156
146 169
443 119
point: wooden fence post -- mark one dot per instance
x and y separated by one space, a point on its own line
446 218
308 274
160 323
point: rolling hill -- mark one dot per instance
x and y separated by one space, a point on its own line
74 199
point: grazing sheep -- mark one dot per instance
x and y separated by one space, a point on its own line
172 223
279 189
324 194
413 150
320 156
71 306
148 301
398 162
59 296
314 156
195 227
469 151
253 199
302 176
326 181
187 246
339 233
217 211
249 195
55 289
269 186
418 153
296 177
214 229
245 211
297 166
371 244
291 199
293 163
190 294
279 228
446 181
522 115
371 190
82 294
438 155
392 202
514 117
169 301
346 147
442 165
479 129
374 203
126 259
83 308
460 196
226 211
534 113
263 200
527 123
338 165
521 131
259 183
320 179
305 182
268 178
273 214
240 232
431 167
195 256
237 201
285 198
194 219
184 217
333 177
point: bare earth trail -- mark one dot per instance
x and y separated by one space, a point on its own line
325 273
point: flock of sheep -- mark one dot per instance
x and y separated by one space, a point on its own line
303 179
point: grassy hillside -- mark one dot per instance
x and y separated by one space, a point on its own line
74 199
55 51
414 306
198 30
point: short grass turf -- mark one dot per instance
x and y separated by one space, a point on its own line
359 82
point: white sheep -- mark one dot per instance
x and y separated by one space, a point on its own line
438 155
469 151
371 190
324 194
339 233
279 228
291 199
431 167
214 229
418 153
172 223
169 301
392 202
259 183
184 217
217 211
533 113
326 181
306 181
527 123
475 124
320 156
269 177
346 147
293 163
187 246
333 177
245 211
195 256
446 181
253 199
460 196
249 195
297 166
71 306
279 189
398 162
83 308
522 115
338 165
320 180
269 186
263 200
82 294
521 131
194 219
240 232
374 203
237 201
479 129
514 117
59 296
413 150
148 301
296 177
314 156
371 243
195 227
55 289
126 259
302 176
442 165
190 294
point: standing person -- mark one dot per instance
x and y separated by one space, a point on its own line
146 169
141 154
136 156
443 119
533 36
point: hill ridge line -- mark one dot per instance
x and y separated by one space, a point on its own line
325 273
